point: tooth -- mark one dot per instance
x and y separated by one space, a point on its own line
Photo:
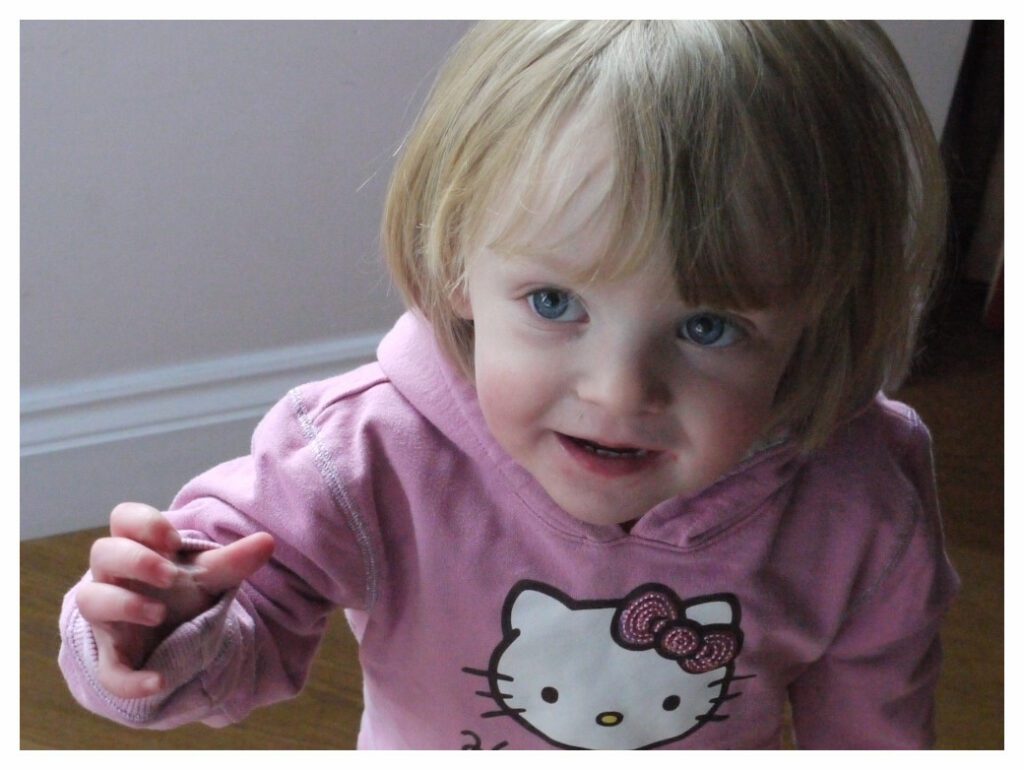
616 453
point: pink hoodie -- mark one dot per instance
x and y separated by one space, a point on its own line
488 617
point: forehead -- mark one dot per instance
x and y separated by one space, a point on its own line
569 204
561 195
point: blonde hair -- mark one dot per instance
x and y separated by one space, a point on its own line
782 161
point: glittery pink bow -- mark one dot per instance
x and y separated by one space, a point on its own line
653 620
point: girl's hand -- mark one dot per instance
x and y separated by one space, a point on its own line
143 589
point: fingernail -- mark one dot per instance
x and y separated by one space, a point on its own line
152 683
167 575
172 541
154 613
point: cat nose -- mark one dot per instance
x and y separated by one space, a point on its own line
609 718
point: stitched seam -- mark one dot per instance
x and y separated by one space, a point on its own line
139 715
905 537
890 567
325 464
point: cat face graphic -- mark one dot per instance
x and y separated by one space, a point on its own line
632 673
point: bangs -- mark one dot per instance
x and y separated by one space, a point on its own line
714 261
690 186
727 182
548 213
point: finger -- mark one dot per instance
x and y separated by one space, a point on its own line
114 558
118 677
221 569
101 603
124 682
145 524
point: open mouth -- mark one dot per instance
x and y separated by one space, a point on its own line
606 460
615 453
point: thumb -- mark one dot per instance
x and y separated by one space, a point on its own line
221 569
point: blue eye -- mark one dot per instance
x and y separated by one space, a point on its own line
710 330
556 305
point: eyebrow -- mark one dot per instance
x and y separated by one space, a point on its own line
562 266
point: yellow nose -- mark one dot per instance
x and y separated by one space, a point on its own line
609 718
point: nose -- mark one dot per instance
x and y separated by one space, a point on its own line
625 381
609 718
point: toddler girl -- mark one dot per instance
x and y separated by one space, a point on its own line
623 476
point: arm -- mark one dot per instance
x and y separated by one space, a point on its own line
250 643
874 686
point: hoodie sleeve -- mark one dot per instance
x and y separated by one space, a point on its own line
256 645
874 686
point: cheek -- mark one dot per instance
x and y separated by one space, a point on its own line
729 419
741 396
742 421
513 394
497 396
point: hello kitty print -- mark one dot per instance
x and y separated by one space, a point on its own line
636 672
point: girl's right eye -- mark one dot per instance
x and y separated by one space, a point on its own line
556 305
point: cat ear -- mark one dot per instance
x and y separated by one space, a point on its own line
708 613
536 608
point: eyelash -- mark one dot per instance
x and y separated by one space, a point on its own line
541 299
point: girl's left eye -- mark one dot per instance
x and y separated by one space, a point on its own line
710 330
556 305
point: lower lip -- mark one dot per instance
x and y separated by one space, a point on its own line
608 467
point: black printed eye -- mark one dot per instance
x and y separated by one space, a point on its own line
671 703
549 694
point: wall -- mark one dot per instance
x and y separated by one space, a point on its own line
200 203
932 51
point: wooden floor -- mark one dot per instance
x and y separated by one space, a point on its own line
958 391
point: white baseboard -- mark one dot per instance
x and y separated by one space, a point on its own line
89 444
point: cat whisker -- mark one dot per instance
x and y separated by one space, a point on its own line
492 695
725 679
723 698
487 674
712 718
502 713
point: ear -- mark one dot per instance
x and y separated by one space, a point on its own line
460 302
535 608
